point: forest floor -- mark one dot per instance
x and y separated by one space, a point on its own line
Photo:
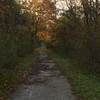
47 83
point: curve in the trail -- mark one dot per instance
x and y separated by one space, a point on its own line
47 84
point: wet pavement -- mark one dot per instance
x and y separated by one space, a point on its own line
47 84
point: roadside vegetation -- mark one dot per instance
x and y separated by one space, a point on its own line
85 84
16 44
10 78
77 41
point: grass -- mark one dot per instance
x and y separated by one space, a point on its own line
85 83
9 78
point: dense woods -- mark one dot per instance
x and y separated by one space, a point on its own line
71 30
78 32
16 31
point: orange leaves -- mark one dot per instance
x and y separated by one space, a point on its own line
45 36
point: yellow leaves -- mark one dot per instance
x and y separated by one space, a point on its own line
46 36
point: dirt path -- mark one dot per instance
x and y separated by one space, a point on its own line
47 84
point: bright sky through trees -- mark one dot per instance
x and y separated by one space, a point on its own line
61 4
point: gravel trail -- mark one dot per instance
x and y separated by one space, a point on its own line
47 84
